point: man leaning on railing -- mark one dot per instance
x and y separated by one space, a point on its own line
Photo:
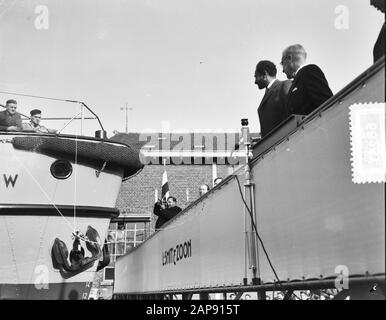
10 120
34 123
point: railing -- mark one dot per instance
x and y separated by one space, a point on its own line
79 116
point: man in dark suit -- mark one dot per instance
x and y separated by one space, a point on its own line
165 212
272 109
309 86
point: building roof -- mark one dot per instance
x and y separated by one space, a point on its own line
196 141
181 148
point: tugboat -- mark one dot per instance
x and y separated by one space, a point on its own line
57 196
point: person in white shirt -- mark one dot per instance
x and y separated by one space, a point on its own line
34 123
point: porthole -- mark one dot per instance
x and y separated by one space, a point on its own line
61 169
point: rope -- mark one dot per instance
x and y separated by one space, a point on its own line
75 178
72 228
42 190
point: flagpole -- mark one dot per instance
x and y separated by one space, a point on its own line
165 185
164 163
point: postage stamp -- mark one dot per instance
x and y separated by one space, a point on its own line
368 142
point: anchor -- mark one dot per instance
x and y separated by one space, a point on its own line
78 261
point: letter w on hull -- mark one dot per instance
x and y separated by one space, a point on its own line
10 180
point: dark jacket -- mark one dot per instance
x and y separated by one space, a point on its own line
164 215
308 91
7 120
272 109
379 47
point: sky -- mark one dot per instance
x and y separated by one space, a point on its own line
179 65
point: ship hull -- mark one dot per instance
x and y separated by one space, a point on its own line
53 291
39 212
27 268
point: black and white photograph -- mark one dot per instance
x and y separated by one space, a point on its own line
192 154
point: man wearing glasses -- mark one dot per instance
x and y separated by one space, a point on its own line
309 87
34 124
10 120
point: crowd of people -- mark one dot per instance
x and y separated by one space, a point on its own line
10 120
166 209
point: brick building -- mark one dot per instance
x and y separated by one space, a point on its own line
190 159
137 195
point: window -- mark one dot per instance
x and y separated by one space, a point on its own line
121 239
108 274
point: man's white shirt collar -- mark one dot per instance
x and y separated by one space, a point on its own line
271 83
